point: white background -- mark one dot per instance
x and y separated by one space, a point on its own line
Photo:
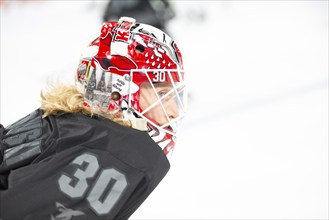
255 142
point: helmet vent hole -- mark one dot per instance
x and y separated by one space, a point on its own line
140 48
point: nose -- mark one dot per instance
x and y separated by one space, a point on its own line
172 110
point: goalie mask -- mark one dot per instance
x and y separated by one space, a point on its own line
135 71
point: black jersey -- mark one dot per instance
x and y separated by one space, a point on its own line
75 167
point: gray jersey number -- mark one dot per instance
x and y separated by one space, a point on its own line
104 193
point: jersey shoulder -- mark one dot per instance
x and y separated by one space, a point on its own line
21 141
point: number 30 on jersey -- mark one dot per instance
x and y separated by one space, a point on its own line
75 185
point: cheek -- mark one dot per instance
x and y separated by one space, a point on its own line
156 110
155 117
157 114
143 101
146 99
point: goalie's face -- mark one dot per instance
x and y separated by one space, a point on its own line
161 103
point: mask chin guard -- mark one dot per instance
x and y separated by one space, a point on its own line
139 124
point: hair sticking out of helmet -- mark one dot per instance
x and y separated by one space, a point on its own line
135 71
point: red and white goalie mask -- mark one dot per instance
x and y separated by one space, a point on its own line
135 70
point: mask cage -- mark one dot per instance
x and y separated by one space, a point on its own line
167 104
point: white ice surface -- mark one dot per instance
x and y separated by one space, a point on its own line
255 142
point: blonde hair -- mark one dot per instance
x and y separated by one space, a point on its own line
60 99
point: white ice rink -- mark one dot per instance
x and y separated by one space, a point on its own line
255 142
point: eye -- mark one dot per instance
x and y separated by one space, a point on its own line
161 93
